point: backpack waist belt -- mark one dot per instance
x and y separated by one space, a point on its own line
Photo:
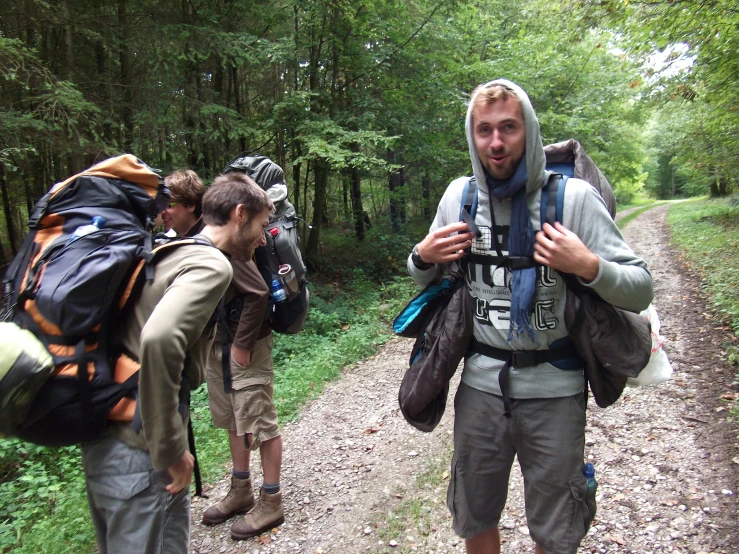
519 358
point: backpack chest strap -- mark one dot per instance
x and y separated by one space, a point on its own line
520 358
508 262
523 358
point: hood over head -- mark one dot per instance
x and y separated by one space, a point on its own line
534 155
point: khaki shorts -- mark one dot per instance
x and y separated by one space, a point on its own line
250 408
548 436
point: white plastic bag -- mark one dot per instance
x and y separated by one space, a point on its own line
658 369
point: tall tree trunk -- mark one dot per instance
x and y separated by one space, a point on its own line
221 98
320 166
4 263
345 184
202 148
426 197
8 212
30 29
723 185
356 196
357 207
30 200
305 197
296 174
401 200
75 160
393 187
394 184
56 169
39 182
104 89
320 169
67 66
125 81
237 100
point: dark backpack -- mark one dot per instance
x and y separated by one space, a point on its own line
282 248
613 344
67 294
440 319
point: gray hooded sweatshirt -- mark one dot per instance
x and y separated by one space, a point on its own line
623 279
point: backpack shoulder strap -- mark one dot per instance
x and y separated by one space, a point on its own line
468 208
149 260
552 199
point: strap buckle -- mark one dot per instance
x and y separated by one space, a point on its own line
523 358
520 262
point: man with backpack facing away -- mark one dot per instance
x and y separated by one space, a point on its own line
521 393
245 406
137 482
248 411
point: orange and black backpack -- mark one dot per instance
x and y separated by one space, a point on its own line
89 242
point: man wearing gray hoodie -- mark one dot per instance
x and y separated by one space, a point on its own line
530 405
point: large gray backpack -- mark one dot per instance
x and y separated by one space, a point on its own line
282 248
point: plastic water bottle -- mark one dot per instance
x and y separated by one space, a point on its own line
589 473
278 291
98 222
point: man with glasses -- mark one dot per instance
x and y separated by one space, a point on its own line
184 213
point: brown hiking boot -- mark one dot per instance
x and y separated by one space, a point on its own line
239 500
266 514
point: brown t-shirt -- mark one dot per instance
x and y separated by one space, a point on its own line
253 321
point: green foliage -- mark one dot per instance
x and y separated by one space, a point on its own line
319 86
708 232
692 68
40 487
382 254
324 139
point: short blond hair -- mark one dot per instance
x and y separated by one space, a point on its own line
484 96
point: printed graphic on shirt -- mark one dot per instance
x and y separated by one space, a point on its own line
490 285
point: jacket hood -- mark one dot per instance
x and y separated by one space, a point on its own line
535 159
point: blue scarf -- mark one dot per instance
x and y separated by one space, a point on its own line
520 243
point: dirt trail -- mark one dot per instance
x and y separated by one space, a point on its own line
357 478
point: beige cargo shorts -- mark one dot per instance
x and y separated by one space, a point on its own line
250 408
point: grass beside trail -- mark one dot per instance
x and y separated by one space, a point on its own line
636 213
410 520
707 232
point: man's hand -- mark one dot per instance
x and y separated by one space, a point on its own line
181 473
241 356
561 249
445 244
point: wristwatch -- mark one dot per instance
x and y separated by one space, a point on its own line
418 260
